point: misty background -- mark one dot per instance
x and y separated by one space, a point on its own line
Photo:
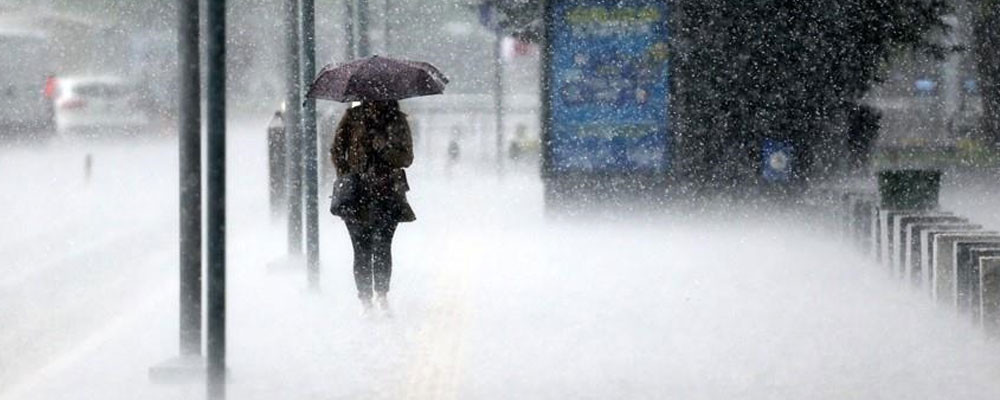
495 298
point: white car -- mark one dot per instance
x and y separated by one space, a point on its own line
98 104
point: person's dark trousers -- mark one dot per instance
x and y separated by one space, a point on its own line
372 256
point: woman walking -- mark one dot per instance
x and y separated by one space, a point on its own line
372 145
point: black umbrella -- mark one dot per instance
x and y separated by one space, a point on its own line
377 78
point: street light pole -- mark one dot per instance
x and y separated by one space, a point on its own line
189 149
216 202
309 143
498 97
293 131
352 50
387 28
364 44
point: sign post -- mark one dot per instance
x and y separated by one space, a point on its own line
215 100
190 179
190 364
310 148
293 125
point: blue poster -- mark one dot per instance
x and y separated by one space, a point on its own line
608 93
778 158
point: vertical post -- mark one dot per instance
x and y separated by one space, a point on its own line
364 44
189 149
498 97
352 51
387 27
276 165
310 148
216 202
551 190
293 131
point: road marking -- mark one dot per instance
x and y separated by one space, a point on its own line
436 371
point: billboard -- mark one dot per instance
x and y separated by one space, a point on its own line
607 92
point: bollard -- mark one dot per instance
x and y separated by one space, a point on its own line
860 218
897 235
989 299
976 254
884 238
927 250
944 279
276 164
873 235
844 204
967 272
902 191
913 254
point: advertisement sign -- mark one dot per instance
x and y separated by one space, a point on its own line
607 94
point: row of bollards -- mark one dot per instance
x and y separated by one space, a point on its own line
901 226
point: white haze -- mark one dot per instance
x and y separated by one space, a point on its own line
493 300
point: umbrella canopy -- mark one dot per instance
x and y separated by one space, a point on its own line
377 78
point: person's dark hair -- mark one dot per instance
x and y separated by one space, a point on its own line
387 105
379 113
382 108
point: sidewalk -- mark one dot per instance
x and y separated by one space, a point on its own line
493 301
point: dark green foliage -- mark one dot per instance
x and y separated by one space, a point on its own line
519 18
792 70
909 189
987 47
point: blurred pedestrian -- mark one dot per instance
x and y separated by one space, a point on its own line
371 147
88 167
454 150
517 145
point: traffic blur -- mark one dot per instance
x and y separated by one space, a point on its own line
66 74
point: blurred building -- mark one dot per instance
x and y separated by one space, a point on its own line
930 101
72 39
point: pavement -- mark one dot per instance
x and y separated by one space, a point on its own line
492 298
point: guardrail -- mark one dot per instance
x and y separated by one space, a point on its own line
899 224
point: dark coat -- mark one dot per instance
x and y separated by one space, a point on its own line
377 145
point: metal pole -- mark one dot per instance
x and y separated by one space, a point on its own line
387 28
189 149
364 45
216 204
352 51
309 143
276 165
498 97
293 131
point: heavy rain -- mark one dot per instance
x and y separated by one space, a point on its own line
497 199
